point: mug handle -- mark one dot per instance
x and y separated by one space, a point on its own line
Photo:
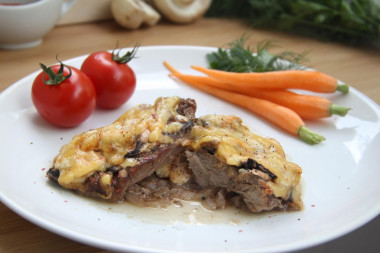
66 6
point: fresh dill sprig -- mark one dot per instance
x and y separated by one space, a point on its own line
239 57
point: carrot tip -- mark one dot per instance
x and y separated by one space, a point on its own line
309 136
170 67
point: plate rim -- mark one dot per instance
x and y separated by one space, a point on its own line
74 235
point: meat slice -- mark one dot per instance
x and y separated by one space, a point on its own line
104 162
253 170
210 172
149 163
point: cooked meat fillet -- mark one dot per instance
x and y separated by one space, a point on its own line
149 162
213 173
154 154
225 153
104 162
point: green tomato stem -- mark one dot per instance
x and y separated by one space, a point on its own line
126 57
309 136
54 78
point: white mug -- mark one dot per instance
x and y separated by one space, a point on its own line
23 23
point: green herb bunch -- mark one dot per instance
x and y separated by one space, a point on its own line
241 58
349 21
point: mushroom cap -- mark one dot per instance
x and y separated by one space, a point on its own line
132 14
182 11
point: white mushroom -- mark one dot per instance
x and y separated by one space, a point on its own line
132 14
182 11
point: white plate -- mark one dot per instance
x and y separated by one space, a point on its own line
341 175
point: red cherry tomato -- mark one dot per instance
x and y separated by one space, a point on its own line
63 95
113 79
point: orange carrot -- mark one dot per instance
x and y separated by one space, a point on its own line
288 79
307 106
206 81
170 67
203 80
279 115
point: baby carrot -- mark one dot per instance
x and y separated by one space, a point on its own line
279 115
170 67
287 79
307 106
203 80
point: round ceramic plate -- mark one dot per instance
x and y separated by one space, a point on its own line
340 175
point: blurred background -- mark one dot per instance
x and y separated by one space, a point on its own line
352 22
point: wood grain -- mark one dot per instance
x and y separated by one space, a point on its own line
358 67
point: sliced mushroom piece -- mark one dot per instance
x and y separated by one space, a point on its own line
132 14
182 11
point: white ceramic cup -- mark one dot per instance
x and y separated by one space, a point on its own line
23 23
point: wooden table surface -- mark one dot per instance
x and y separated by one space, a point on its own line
359 67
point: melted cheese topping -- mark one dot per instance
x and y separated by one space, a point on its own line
235 144
99 149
